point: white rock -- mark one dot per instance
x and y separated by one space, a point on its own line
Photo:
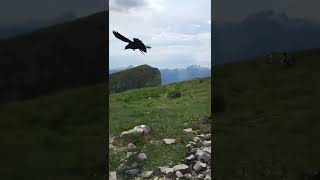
179 174
142 157
190 158
202 136
193 150
207 177
192 143
132 172
169 141
129 154
207 149
188 176
156 178
147 174
208 171
140 130
196 139
134 165
169 171
199 166
121 168
200 176
188 130
131 147
163 169
207 143
113 175
182 168
203 156
208 136
111 146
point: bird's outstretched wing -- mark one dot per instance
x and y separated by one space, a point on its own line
122 38
137 40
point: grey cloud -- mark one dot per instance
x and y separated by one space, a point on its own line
125 5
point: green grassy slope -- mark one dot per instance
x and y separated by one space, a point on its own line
270 128
133 78
166 117
57 136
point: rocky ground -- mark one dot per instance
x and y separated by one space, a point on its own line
195 165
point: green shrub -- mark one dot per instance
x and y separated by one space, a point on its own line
174 94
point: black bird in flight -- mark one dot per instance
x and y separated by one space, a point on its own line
135 44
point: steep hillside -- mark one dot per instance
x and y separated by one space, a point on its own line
165 115
270 126
66 55
57 136
137 77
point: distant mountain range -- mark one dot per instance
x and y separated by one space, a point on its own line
261 33
177 74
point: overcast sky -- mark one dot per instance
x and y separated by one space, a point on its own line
235 11
179 32
17 12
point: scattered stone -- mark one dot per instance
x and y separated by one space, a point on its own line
113 175
196 139
142 157
188 130
147 174
203 156
179 174
199 166
131 147
163 169
207 143
169 172
200 176
193 150
208 136
140 130
182 168
132 172
207 177
134 165
111 146
196 131
156 178
202 136
188 176
207 172
169 141
188 146
207 149
190 158
121 168
129 154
